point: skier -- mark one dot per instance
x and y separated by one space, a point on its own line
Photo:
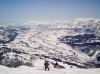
46 64
56 65
16 62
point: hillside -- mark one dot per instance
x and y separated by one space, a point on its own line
71 43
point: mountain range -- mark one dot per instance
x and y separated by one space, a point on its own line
74 44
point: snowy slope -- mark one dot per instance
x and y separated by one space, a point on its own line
32 70
40 41
45 44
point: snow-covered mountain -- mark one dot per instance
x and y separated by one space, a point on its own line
74 44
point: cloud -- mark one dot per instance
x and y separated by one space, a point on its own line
35 23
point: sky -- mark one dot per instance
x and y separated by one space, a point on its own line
18 11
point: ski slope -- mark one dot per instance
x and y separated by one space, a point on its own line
41 41
35 70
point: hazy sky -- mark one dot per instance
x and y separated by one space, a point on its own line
17 11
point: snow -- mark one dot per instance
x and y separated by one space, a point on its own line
40 70
45 42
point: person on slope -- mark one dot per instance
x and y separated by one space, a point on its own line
56 65
46 64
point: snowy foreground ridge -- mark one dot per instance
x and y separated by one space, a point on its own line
32 70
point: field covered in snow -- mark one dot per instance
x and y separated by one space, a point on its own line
33 70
